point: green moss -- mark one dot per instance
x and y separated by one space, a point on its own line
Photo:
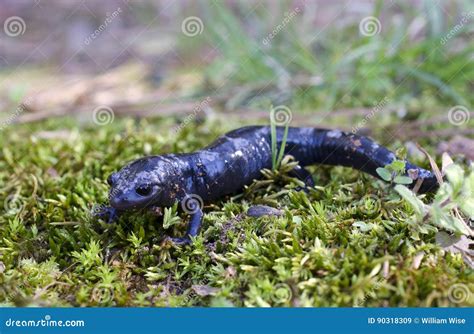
350 241
347 242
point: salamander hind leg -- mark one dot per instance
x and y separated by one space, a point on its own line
304 175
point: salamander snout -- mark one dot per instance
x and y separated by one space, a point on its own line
112 179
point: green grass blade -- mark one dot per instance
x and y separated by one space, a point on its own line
274 138
282 147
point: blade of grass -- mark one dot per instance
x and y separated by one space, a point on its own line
282 147
274 138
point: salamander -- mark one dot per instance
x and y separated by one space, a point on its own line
235 160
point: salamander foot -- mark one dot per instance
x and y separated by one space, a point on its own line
304 175
177 241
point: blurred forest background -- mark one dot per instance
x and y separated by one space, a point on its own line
332 61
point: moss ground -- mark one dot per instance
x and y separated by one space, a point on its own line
348 242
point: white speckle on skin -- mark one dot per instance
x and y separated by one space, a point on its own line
334 134
375 146
237 154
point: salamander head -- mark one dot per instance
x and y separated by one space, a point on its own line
138 184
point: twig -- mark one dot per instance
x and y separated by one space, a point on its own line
433 164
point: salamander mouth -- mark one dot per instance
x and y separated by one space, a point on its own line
131 202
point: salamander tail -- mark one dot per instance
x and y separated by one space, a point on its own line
334 147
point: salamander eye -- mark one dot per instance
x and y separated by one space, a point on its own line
144 190
110 180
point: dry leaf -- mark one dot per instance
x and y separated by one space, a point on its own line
386 269
204 290
230 271
417 260
458 145
455 244
446 161
263 210
433 164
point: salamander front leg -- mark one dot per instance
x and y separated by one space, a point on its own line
194 226
108 212
304 175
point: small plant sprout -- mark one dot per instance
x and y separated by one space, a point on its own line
452 206
394 173
170 216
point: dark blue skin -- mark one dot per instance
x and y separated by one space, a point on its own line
235 160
